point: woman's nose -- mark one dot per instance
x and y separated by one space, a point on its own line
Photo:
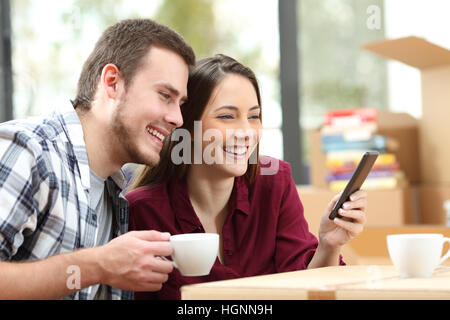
241 135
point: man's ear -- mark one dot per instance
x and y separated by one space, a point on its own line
109 81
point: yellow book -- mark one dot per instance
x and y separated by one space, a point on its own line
376 183
351 158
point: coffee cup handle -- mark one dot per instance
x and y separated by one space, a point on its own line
447 254
175 265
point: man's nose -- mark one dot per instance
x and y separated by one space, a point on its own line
174 117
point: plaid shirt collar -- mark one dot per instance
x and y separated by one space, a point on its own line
74 133
71 125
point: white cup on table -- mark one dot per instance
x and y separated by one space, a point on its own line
418 254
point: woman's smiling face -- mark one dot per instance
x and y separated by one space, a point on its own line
231 125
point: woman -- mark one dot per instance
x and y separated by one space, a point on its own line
251 203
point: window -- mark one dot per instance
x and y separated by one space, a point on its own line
335 72
52 39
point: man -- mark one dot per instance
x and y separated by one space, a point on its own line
62 215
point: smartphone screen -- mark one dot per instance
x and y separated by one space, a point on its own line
359 175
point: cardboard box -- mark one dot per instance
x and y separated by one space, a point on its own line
388 207
317 161
402 131
434 63
431 200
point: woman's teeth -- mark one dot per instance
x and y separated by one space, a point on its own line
236 150
156 133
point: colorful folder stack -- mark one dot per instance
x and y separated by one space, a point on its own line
346 135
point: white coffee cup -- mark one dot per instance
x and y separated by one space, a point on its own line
194 254
418 254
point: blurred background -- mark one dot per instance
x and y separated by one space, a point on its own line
306 54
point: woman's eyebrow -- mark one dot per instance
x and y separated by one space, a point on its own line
236 108
227 107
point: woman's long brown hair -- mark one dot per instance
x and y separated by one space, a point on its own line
203 79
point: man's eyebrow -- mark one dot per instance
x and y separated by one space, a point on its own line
172 90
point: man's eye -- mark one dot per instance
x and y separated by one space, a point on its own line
164 95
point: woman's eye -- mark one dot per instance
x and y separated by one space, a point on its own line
255 117
225 116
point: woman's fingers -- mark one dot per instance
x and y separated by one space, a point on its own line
358 195
356 216
357 204
358 200
352 227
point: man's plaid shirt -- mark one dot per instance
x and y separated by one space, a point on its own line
44 192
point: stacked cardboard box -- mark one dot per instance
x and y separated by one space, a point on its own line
419 145
434 63
394 206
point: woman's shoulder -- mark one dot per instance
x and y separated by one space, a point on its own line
148 194
272 181
150 208
274 175
270 167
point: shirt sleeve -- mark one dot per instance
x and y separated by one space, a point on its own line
19 194
295 245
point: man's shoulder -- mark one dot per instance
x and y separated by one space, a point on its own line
36 136
36 128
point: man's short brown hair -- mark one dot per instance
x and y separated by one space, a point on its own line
125 44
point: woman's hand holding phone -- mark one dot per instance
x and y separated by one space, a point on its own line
337 232
344 218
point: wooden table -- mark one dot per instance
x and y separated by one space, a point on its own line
343 282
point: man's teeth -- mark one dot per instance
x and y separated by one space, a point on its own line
156 133
236 150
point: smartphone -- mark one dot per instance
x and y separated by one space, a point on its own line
359 175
